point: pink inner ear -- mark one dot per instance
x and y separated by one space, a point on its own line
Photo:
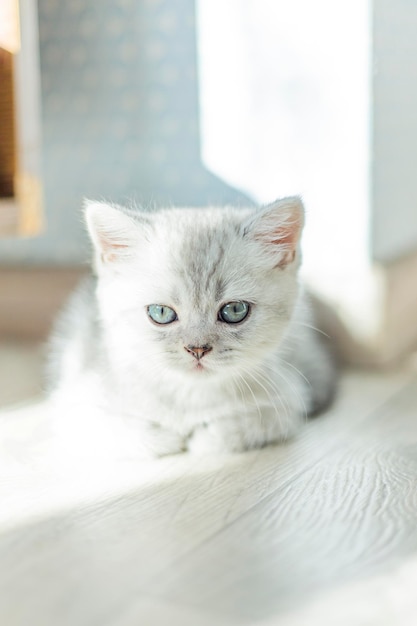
112 232
110 248
285 237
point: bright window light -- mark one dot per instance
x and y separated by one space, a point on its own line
285 109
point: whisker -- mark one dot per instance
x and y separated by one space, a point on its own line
253 395
312 328
236 380
287 363
296 394
285 406
278 395
278 372
251 374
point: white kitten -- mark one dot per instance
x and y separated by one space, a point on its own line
195 333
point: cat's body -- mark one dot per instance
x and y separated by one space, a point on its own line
195 332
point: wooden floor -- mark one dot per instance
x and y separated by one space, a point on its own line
322 530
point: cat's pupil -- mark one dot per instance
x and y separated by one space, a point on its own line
234 312
161 314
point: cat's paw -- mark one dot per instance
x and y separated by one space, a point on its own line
156 441
213 439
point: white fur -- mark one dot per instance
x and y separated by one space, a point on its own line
262 376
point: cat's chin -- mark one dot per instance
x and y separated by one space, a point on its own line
200 369
192 371
212 371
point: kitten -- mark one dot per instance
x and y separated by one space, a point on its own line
194 332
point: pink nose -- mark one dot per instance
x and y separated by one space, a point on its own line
198 353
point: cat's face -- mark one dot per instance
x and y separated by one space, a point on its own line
196 292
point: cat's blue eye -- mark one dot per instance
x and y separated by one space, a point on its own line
234 312
161 314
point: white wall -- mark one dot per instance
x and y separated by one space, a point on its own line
394 222
285 103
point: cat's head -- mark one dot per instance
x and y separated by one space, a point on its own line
195 292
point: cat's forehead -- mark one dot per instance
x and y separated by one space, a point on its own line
203 254
202 266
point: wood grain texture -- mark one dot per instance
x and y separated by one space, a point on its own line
252 538
7 125
351 514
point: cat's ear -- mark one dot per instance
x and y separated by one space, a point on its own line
114 233
278 228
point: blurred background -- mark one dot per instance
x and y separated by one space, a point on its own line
199 102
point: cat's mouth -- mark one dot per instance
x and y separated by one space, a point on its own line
200 368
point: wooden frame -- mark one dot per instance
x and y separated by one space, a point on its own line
21 214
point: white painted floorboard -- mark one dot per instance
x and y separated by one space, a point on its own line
322 530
